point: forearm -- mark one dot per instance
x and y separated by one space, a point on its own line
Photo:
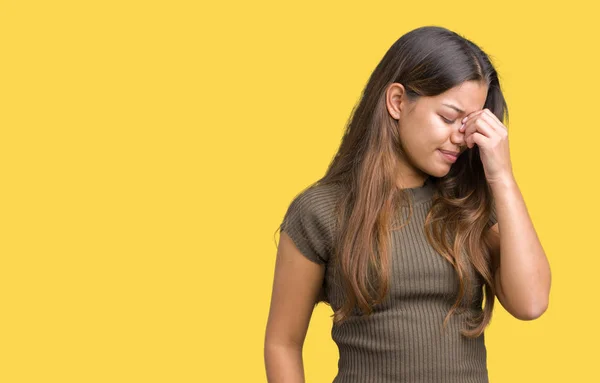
284 364
524 269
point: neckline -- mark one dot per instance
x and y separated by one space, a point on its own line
421 193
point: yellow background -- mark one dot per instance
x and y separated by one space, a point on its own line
149 150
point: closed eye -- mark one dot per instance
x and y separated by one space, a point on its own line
448 121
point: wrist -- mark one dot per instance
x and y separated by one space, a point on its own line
502 182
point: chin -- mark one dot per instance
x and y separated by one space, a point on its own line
441 174
439 171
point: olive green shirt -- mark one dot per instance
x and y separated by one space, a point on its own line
402 341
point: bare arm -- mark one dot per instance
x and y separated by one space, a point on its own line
296 286
522 278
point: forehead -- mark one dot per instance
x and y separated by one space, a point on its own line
469 96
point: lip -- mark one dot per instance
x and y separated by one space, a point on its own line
449 156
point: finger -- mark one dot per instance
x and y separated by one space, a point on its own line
493 120
484 111
479 125
470 141
479 139
476 138
470 116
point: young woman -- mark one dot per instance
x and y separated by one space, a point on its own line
402 235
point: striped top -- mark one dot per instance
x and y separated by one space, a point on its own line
402 340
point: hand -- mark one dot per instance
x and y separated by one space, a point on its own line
484 129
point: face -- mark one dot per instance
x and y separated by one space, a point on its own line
431 125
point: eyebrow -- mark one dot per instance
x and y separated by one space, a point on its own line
455 108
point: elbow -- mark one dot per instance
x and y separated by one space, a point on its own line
282 342
535 311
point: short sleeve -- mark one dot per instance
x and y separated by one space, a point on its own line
309 222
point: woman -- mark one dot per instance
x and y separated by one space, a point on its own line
401 237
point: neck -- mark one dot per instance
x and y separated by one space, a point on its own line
412 182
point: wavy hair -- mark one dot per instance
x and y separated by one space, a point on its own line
428 61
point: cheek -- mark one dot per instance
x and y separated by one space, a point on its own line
421 138
438 133
432 135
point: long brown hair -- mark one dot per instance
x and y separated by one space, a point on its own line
428 61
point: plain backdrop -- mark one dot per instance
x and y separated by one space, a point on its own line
149 150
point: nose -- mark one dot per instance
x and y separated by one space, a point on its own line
458 138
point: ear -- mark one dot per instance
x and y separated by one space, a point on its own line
395 99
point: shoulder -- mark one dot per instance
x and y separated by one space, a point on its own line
315 206
310 220
318 198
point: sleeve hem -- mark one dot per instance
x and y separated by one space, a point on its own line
303 248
